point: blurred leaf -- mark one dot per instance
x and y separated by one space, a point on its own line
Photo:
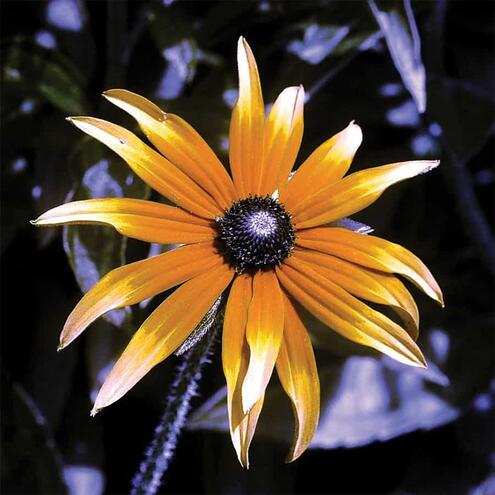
178 48
363 400
93 250
31 462
45 72
104 344
318 42
404 44
465 117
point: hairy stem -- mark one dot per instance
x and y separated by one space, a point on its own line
161 450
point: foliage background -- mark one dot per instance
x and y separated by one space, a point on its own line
389 430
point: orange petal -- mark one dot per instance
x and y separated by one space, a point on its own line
136 218
152 167
353 193
372 252
325 166
283 136
246 125
264 331
374 286
348 316
137 281
180 143
296 368
233 339
163 332
235 358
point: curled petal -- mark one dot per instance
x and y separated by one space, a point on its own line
348 316
264 331
152 167
163 332
354 193
246 125
282 139
372 252
325 166
137 281
296 368
136 218
372 285
235 359
179 142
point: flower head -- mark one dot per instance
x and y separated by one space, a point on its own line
268 242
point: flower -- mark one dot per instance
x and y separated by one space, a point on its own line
268 241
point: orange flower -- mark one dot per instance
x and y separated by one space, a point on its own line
267 240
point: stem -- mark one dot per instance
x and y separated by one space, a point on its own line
161 450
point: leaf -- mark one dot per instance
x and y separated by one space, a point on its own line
31 462
52 78
94 250
404 45
363 400
178 48
318 42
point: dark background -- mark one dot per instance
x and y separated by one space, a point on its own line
434 436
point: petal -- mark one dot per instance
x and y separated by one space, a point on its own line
136 218
372 252
348 316
325 166
282 140
163 332
264 331
354 193
246 125
233 337
137 281
296 368
180 143
374 286
235 358
152 167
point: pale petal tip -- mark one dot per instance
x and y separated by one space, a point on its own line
429 166
94 411
247 404
34 222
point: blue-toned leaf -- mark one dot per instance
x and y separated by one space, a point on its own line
37 73
31 462
404 45
367 398
95 250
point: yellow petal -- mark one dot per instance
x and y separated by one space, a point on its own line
348 316
136 218
282 140
372 285
325 166
180 143
246 125
235 358
264 331
233 338
372 252
354 193
137 281
296 368
152 167
163 332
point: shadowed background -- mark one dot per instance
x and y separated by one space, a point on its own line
417 77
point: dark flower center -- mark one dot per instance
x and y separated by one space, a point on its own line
255 233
